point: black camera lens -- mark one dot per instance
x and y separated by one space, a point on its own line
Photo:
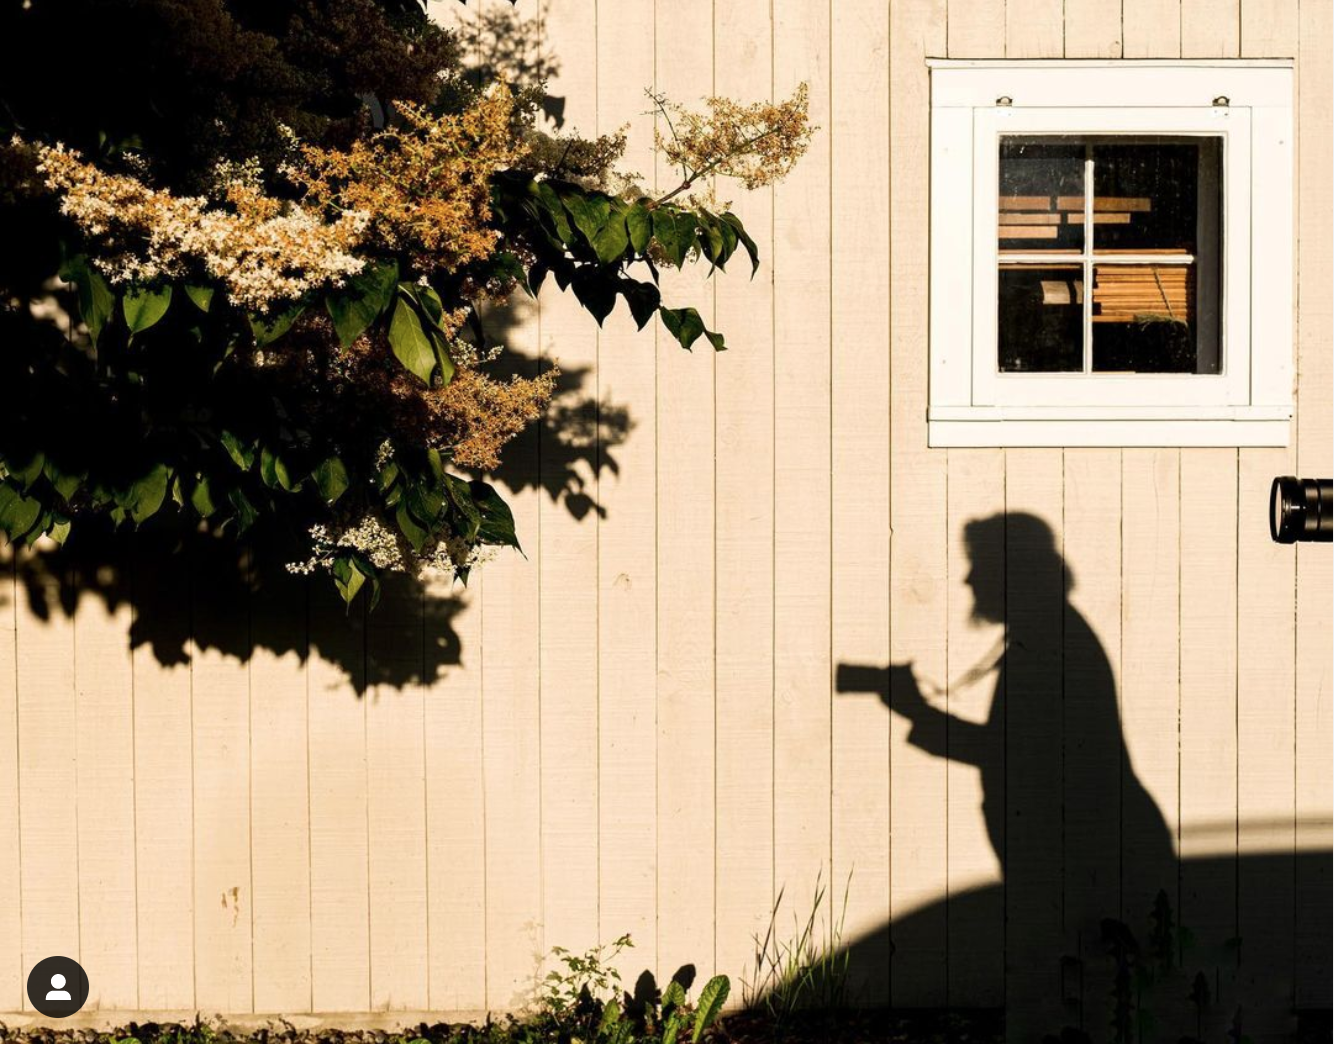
1300 509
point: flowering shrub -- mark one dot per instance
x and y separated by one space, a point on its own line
261 250
295 336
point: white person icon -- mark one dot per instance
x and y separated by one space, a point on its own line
57 987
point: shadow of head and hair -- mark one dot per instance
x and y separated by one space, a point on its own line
1096 919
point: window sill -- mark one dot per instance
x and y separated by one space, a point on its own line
964 426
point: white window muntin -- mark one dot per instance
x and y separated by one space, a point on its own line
1230 387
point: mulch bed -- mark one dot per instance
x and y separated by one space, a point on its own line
847 1027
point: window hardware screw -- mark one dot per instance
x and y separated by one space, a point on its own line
1222 101
1005 100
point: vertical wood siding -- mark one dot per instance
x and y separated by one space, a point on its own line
644 733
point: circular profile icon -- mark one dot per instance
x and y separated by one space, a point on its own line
57 987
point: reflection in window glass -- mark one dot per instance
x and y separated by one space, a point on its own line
1034 175
1146 196
1152 254
1041 319
1145 319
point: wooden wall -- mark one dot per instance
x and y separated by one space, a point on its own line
643 734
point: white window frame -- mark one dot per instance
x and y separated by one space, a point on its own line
1246 103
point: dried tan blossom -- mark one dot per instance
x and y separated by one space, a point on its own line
426 183
263 250
365 387
477 416
757 144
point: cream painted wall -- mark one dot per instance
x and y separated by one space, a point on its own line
643 735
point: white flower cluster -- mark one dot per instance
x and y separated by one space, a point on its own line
447 557
380 544
465 353
227 173
385 549
263 253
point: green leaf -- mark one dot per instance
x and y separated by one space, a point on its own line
730 238
245 511
497 520
589 211
611 1015
416 534
274 471
686 326
675 229
535 277
686 226
734 222
443 357
29 472
97 301
639 225
425 504
200 296
349 575
364 299
146 494
596 291
711 240
42 526
59 531
65 483
143 308
612 239
243 456
711 1000
409 341
664 231
268 329
201 497
331 479
435 462
460 493
674 995
17 512
427 299
643 299
551 204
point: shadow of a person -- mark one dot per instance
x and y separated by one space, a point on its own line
1053 713
1060 801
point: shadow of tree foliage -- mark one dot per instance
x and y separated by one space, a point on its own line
506 43
574 440
192 591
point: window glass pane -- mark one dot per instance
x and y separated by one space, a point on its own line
1156 195
1041 318
1146 319
1037 176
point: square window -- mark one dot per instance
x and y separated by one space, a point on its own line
1141 215
1115 269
